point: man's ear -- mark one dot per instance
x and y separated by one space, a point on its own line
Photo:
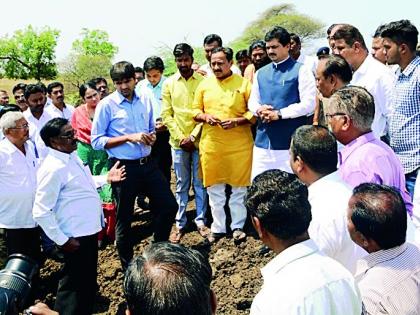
347 123
299 164
213 302
357 46
258 227
403 48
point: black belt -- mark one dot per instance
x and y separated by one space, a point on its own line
140 161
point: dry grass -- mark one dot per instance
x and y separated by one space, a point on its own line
8 84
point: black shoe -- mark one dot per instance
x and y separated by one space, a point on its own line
142 203
55 254
264 250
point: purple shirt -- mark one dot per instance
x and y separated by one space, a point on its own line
369 160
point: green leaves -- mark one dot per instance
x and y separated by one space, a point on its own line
29 54
94 43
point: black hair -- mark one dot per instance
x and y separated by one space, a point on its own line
43 86
99 80
32 89
241 54
350 35
168 279
122 70
54 85
337 65
139 70
329 29
154 62
402 32
9 108
280 202
213 38
19 86
52 129
182 49
85 86
379 213
279 33
256 44
378 31
226 50
295 38
317 147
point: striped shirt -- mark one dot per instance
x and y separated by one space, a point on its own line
389 280
404 124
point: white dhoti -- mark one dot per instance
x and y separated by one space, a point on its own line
266 159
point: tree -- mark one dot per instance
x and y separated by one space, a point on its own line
91 57
29 54
283 15
94 43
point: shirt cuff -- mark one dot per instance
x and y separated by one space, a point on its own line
248 115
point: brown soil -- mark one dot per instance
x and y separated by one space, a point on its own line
236 270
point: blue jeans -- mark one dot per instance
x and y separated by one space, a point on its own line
185 165
410 181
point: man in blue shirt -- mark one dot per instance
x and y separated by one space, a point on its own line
124 126
400 41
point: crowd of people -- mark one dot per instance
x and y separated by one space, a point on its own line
321 153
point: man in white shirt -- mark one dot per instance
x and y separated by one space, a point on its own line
68 208
18 167
58 108
389 277
211 42
313 158
300 279
369 73
310 62
36 116
283 94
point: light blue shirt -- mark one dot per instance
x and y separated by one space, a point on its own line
115 116
144 86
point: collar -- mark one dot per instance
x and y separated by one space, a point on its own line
280 62
118 98
317 187
355 144
178 76
365 65
411 67
376 258
288 256
157 86
64 157
10 147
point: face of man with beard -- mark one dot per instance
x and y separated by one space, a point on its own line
57 95
220 65
184 63
36 102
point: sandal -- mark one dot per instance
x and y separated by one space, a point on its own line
203 230
176 236
238 236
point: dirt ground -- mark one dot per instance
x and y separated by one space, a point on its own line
236 268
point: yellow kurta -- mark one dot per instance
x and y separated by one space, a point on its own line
225 155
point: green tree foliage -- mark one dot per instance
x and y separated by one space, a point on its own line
29 54
94 43
282 15
91 57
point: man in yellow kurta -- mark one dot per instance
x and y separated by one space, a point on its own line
226 142
177 98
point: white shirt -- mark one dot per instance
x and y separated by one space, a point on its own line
329 198
207 68
35 126
301 280
17 185
307 92
309 61
67 203
378 79
54 112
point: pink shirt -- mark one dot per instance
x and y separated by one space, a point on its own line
82 124
369 160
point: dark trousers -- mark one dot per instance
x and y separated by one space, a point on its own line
24 241
146 179
77 286
161 153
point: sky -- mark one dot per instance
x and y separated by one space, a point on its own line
140 27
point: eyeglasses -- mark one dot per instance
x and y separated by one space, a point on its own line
67 136
329 116
24 126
